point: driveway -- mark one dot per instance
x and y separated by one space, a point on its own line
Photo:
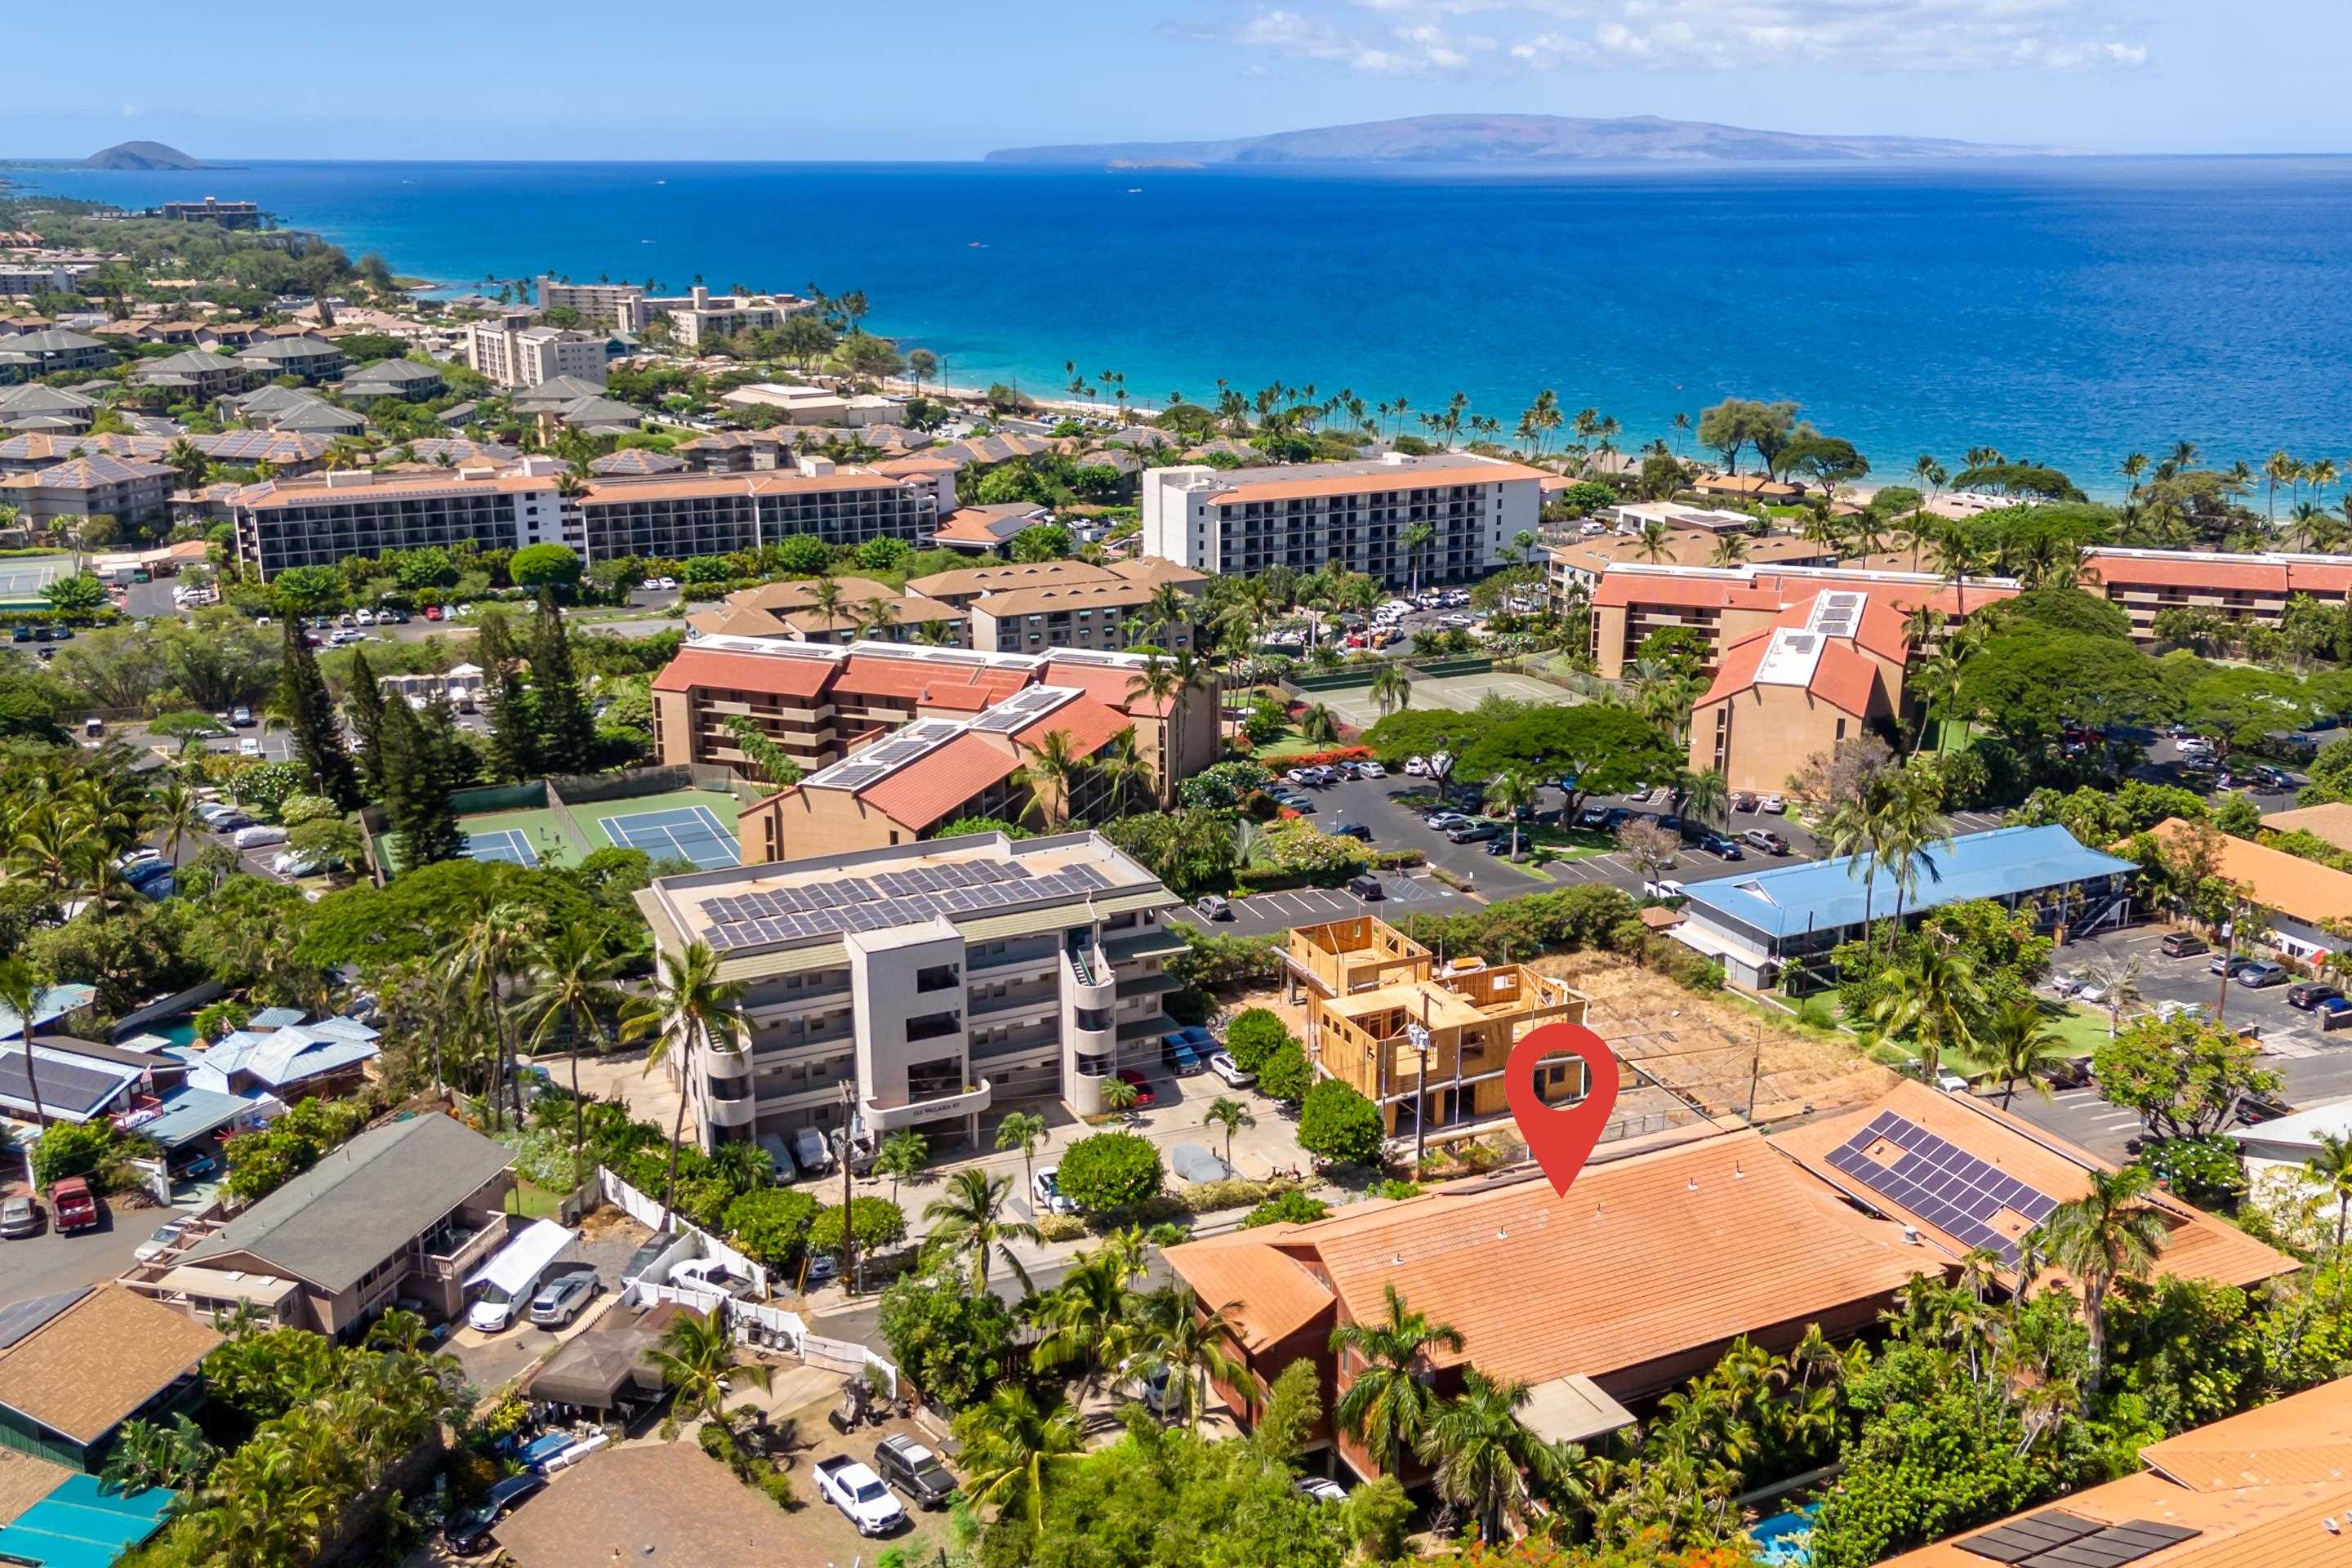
492 1359
46 1264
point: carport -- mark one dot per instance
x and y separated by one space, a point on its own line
514 1269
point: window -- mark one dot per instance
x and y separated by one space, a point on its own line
931 1026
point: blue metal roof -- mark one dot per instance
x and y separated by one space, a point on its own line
1827 894
84 1523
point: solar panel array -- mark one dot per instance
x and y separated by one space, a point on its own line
888 898
1835 613
884 756
1941 1183
1022 709
2061 1540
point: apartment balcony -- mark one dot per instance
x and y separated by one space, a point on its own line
889 1118
457 1246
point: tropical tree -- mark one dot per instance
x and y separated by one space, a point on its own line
1052 772
1392 688
901 1158
1706 794
1933 999
1013 1446
1415 538
1512 791
689 1013
2331 1167
2115 978
969 1218
2016 1044
1390 1405
1483 1455
1162 684
484 956
1084 1320
1233 1116
699 1361
571 990
2108 1234
20 992
1176 1338
1023 1131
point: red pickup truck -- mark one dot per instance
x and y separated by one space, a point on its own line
72 1206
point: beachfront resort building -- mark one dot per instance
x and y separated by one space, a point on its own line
2240 589
956 730
133 492
211 209
599 304
936 978
1427 1048
1359 515
699 316
320 520
512 352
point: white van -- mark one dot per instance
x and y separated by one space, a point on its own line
259 836
504 1285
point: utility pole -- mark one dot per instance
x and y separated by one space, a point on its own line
1418 1033
848 1232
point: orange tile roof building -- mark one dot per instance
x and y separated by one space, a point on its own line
2301 898
2243 588
825 703
320 520
935 978
1655 1261
1428 1049
1313 517
2267 1488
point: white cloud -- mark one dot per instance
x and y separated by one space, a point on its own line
129 111
1402 37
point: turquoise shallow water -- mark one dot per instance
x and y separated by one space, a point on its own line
2066 311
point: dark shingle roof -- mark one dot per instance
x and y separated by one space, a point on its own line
351 1210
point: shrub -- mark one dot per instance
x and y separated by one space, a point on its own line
1338 1124
1110 1171
1285 1075
1061 1227
1232 1192
952 1341
877 1223
1396 1189
1255 1034
1292 1207
70 1149
770 1225
1222 786
1315 758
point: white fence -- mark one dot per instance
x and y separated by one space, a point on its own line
648 1212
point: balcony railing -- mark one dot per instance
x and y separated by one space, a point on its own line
882 1118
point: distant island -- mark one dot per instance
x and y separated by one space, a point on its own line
143 155
1515 139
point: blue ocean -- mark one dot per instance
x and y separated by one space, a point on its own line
2063 310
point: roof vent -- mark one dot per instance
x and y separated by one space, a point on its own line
1911 1234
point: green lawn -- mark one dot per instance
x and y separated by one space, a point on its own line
534 1203
1569 843
2085 1028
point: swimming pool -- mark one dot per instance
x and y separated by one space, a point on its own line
1786 1540
179 1031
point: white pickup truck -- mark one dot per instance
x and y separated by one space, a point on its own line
854 1488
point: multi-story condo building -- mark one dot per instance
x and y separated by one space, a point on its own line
867 611
306 359
821 702
194 374
26 356
917 987
134 493
26 278
700 316
1312 517
511 353
2245 589
599 304
319 521
1429 1049
211 209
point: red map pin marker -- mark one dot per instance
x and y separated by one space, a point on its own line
1561 1136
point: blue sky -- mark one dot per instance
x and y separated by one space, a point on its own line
922 79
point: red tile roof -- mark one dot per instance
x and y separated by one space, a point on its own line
2184 570
1089 723
934 685
1103 682
695 667
930 787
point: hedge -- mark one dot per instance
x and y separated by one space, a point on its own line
1315 758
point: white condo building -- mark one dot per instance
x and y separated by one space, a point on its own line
1314 516
514 354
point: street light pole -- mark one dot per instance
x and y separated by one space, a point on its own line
1418 1034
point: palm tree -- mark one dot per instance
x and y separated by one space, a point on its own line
1187 1343
1123 770
2106 1235
697 1360
1512 791
1233 1116
2278 469
2017 1045
1656 543
1023 1131
2133 466
2332 1169
1162 684
1416 537
1730 550
1013 1446
1706 794
1484 1455
1168 608
1087 1317
1318 723
574 989
1390 1405
1933 999
1052 774
1392 688
825 598
20 992
968 1218
2116 980
874 618
689 1013
486 955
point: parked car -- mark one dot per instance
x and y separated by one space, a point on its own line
1144 1093
1664 888
1355 830
1446 821
1214 907
247 746
2230 963
1473 832
259 837
2183 944
561 1300
2311 995
1367 887
1772 804
1046 1193
72 1206
1592 818
431 612
1223 1063
19 1216
468 1532
1722 848
162 1242
863 1499
810 1151
900 1459
241 716
1319 1488
711 1274
1369 769
1501 843
1764 839
2260 976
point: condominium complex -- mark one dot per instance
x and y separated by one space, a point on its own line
1359 515
211 209
599 304
24 278
513 353
1427 1048
133 493
320 520
932 978
2243 589
700 316
821 702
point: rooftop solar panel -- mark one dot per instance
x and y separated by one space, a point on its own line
2022 1537
1944 1184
